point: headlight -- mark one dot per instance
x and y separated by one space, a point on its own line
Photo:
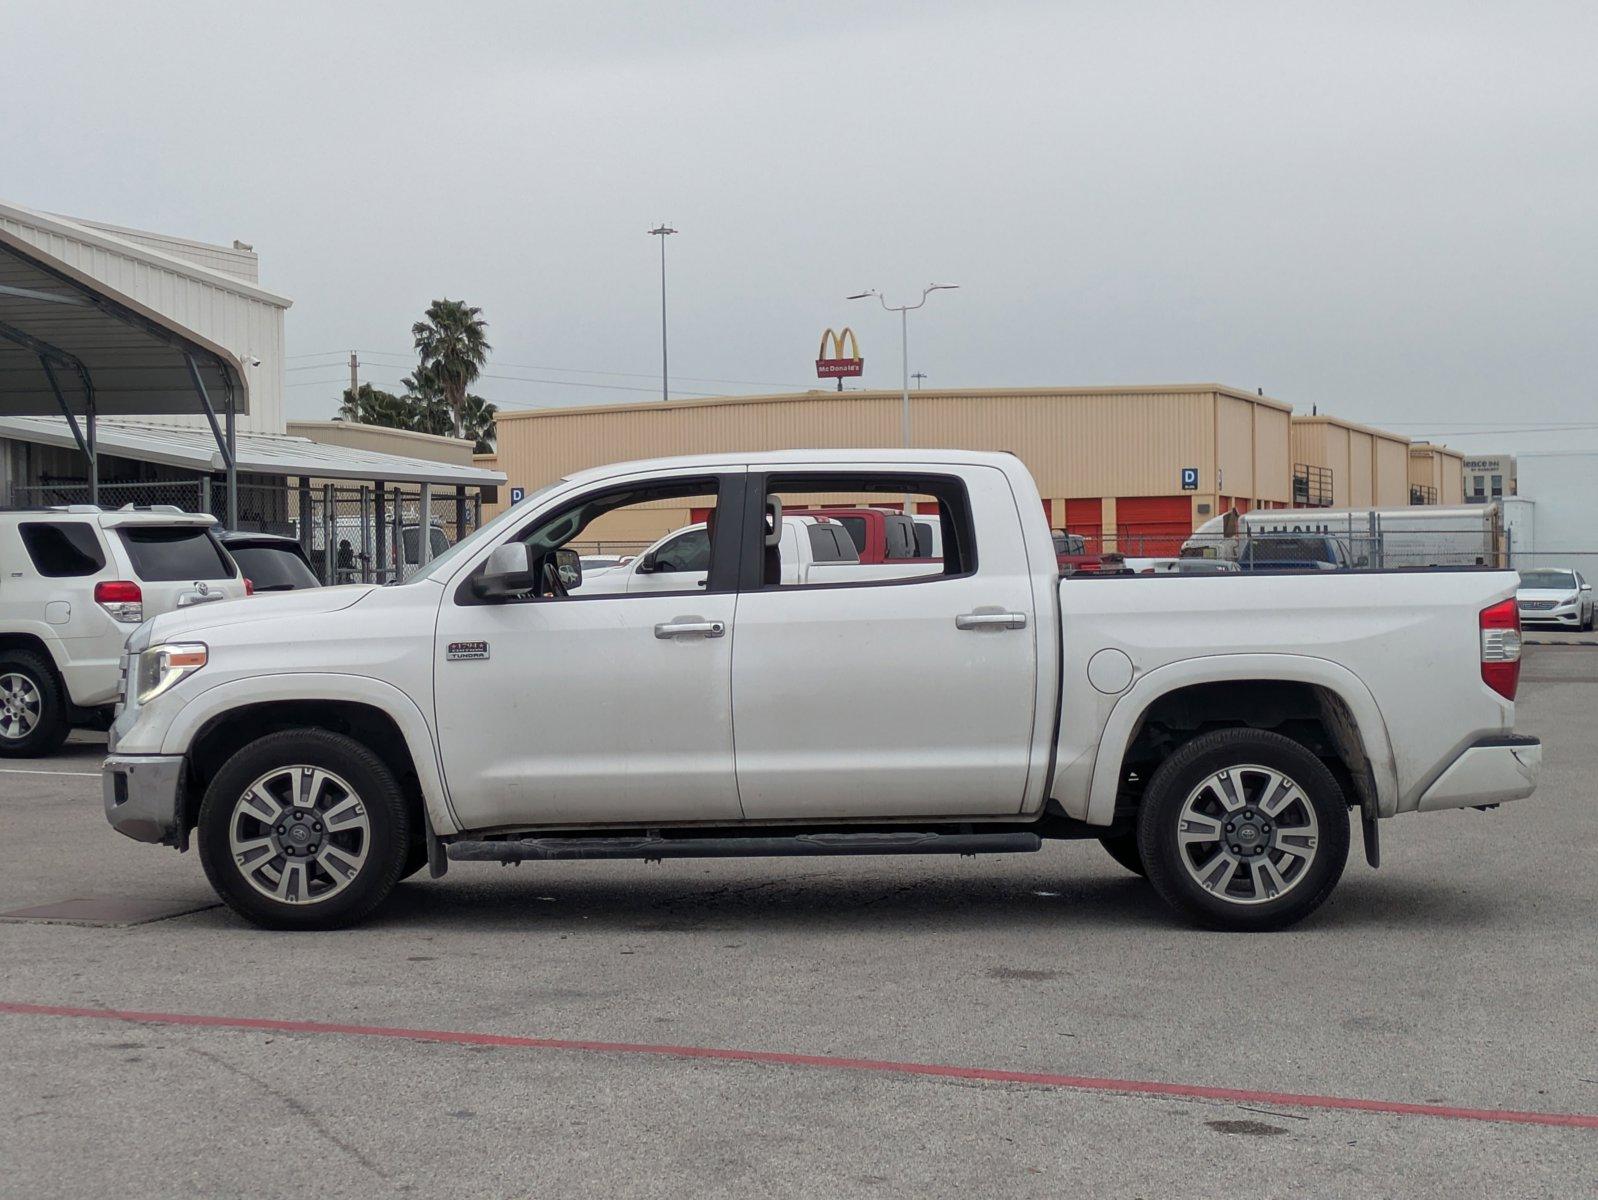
162 667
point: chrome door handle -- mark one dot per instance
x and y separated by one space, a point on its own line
690 627
990 620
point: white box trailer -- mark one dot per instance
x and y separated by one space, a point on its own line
1421 535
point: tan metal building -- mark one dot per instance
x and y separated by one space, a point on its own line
1131 468
1339 464
1436 474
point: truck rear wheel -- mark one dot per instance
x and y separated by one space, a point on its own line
1244 829
304 829
33 706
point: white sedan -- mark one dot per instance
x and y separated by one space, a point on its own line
1555 596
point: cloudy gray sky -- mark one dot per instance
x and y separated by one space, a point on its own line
1387 209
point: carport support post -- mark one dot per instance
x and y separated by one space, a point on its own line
232 456
304 522
366 533
224 442
424 532
381 496
93 448
329 551
460 511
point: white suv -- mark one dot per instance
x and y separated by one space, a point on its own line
74 582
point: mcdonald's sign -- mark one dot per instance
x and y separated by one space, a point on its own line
844 361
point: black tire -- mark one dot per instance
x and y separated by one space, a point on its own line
415 860
49 716
1123 849
386 837
1170 868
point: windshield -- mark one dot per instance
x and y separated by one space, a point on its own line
1290 549
440 568
1548 579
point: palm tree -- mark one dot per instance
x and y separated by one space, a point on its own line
452 347
477 423
372 406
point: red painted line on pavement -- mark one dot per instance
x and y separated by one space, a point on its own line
1131 1087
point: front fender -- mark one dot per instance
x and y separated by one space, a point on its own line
355 689
1287 668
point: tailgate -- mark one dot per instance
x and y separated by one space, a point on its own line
178 565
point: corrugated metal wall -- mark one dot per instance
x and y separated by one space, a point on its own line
247 326
1369 466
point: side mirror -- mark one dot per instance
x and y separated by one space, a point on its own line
773 521
509 570
569 566
646 565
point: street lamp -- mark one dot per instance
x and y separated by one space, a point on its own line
904 339
662 233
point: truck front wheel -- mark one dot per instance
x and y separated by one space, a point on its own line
304 829
1244 829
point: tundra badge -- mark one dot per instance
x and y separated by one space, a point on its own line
461 651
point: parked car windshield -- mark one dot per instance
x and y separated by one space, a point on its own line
1289 549
161 553
274 568
1548 579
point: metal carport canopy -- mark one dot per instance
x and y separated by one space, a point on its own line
70 345
257 453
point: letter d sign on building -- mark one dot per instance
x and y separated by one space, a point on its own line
1190 479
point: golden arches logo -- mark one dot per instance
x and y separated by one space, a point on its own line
844 358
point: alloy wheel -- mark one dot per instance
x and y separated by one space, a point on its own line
1247 834
299 834
20 706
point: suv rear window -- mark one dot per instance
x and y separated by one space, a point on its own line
274 568
161 553
62 550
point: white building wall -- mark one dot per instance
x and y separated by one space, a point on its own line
230 312
1563 487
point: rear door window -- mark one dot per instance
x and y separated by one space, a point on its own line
63 549
162 553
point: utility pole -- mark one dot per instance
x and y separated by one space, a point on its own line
918 376
355 380
663 232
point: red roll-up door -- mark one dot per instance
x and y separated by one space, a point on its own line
1153 526
1086 519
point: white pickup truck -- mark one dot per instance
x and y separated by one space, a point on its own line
1214 732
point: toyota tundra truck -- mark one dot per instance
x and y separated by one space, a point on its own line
1218 734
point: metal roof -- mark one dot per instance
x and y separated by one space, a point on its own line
258 453
136 359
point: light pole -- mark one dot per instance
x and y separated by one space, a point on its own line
904 340
662 233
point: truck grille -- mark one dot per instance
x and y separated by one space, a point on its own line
123 666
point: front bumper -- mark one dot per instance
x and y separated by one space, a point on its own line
1568 614
1494 770
144 797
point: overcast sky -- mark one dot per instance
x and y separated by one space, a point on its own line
1388 210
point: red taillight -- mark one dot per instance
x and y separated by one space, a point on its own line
1500 647
121 599
249 586
117 591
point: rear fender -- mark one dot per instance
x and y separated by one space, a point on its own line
1127 715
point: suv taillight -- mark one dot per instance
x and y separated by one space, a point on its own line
1500 648
121 599
249 586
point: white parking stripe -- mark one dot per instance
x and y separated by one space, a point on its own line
68 774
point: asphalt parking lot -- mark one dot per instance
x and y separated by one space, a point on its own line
1461 975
